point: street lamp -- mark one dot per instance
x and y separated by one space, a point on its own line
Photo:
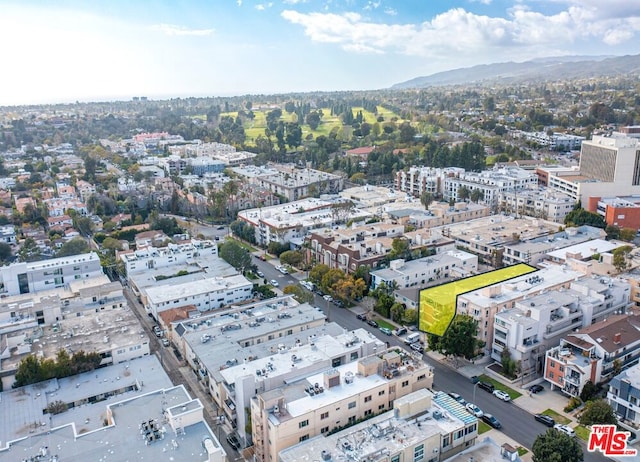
475 385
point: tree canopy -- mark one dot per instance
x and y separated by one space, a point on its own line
579 216
235 255
75 246
33 370
597 412
555 446
459 339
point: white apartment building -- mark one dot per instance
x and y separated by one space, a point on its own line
8 234
491 182
205 294
262 345
536 251
405 274
541 202
333 398
422 426
293 220
483 304
417 180
555 140
23 278
537 323
148 258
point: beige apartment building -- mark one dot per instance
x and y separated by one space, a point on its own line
333 399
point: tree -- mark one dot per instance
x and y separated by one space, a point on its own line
5 252
579 216
620 258
555 446
460 338
463 193
426 198
597 412
292 257
400 248
589 391
508 364
627 234
301 294
29 250
235 255
317 273
476 195
313 120
75 246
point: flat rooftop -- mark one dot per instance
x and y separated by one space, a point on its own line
22 408
585 249
159 294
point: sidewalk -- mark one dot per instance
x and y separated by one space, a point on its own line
535 403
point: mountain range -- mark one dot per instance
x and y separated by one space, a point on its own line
542 69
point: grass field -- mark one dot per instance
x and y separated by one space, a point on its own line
582 432
500 386
438 304
254 128
559 418
483 427
382 323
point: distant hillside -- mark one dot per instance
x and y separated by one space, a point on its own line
556 68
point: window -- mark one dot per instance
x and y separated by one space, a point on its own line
354 356
418 453
421 377
395 458
405 383
324 415
352 404
367 399
303 438
368 412
445 441
381 393
303 424
381 407
324 429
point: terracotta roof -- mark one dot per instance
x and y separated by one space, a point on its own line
179 313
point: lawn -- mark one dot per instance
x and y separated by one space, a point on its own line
483 427
582 432
382 323
522 451
501 386
242 244
559 418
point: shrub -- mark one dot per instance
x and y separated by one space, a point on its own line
574 403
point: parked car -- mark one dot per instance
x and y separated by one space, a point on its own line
400 331
417 347
372 323
158 331
475 410
545 419
165 342
385 330
537 388
260 274
475 379
221 227
491 420
566 429
274 283
486 386
503 395
328 298
338 303
233 441
458 398
361 316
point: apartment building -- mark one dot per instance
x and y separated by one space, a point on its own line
148 258
624 397
538 323
422 426
438 214
491 183
8 234
623 212
418 180
145 417
262 345
23 277
554 141
205 294
536 251
594 353
293 220
483 304
487 237
404 274
333 398
539 202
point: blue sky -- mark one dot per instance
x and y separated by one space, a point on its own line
100 50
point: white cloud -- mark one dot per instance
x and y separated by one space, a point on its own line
390 12
173 30
263 6
239 2
372 5
293 2
522 34
484 2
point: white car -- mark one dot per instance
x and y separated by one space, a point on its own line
328 298
274 283
565 429
475 410
503 395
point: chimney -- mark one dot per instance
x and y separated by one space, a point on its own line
616 338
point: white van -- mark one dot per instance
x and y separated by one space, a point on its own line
412 338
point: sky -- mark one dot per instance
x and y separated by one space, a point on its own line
79 50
